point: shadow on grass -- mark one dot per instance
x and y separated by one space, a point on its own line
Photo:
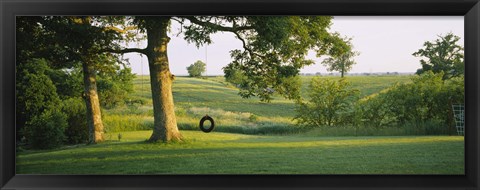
251 153
199 157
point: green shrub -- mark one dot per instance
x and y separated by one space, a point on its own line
46 131
77 130
373 111
425 103
35 92
329 101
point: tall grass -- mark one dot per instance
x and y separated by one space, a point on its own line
234 122
117 123
189 119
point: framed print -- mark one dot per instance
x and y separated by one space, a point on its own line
239 94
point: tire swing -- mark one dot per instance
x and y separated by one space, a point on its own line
212 124
206 117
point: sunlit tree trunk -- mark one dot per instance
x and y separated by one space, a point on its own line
94 115
165 123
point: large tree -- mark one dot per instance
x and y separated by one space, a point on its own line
442 55
274 49
73 42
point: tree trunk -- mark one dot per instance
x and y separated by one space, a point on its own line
165 122
343 71
94 116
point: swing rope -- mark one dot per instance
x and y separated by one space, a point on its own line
141 68
206 117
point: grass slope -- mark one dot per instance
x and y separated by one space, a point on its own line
195 97
215 93
223 153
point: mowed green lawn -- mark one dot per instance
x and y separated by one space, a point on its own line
233 153
223 153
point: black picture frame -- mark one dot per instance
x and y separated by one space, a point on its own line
470 9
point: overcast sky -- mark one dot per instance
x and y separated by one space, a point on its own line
385 44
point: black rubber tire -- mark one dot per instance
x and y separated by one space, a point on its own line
207 130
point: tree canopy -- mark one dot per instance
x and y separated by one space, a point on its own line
71 48
196 69
442 55
274 48
342 63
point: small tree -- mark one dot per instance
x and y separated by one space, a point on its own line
442 55
328 101
38 117
342 63
196 69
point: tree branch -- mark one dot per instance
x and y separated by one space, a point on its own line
250 51
175 19
234 29
123 51
218 27
181 25
120 30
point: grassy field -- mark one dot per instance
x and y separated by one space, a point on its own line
250 137
223 153
206 92
195 97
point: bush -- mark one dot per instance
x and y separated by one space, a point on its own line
46 131
77 130
422 103
374 111
329 102
35 92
